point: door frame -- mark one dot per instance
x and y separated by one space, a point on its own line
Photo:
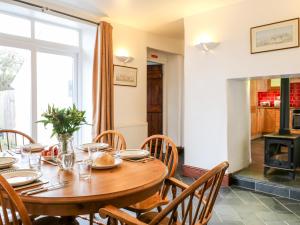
163 59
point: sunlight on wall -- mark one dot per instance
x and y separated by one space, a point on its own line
122 52
204 38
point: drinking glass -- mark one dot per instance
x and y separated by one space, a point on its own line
85 169
93 153
35 161
117 153
65 176
25 150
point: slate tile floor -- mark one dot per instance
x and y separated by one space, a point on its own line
236 206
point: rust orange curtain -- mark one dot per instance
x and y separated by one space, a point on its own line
103 89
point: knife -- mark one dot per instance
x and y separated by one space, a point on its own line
31 185
50 162
45 189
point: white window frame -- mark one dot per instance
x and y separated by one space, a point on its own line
34 46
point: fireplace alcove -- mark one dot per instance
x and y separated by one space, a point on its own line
250 154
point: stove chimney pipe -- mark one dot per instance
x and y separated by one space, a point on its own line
284 106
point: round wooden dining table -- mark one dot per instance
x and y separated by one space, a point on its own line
122 186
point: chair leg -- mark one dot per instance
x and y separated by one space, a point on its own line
112 221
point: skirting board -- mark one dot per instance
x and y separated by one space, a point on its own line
195 172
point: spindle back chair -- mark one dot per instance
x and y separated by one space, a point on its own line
193 206
112 137
12 210
163 148
10 139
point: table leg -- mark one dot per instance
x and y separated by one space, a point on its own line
68 220
91 218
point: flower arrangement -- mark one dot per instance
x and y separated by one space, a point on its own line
64 121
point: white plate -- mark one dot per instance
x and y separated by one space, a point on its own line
117 163
35 147
7 161
93 145
21 177
133 153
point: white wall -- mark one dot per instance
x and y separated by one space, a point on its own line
131 102
174 77
165 44
206 74
238 105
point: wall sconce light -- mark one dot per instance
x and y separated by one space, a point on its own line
124 59
207 46
123 56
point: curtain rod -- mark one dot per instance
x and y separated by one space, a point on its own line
55 11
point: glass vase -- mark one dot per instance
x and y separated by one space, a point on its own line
66 154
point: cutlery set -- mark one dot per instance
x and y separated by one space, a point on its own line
50 162
31 185
143 160
8 170
40 189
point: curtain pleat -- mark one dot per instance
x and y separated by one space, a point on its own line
103 88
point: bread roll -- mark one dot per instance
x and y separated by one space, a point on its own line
104 160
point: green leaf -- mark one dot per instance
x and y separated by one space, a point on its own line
64 121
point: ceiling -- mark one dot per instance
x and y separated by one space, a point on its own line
162 17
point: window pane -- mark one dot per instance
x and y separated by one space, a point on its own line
62 35
15 89
54 86
14 25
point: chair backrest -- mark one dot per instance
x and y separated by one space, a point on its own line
10 139
194 205
112 137
12 210
164 149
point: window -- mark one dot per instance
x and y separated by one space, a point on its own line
15 25
54 86
15 89
37 68
62 35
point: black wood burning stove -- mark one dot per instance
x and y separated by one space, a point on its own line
282 150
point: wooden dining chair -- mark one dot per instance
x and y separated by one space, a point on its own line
193 206
10 139
12 210
112 137
163 148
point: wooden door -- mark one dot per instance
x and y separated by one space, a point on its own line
260 121
253 108
154 99
270 121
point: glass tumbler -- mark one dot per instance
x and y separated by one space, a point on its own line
93 153
85 169
35 161
25 150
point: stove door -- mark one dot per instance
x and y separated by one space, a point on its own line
278 153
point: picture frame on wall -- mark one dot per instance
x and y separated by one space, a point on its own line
125 76
275 36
